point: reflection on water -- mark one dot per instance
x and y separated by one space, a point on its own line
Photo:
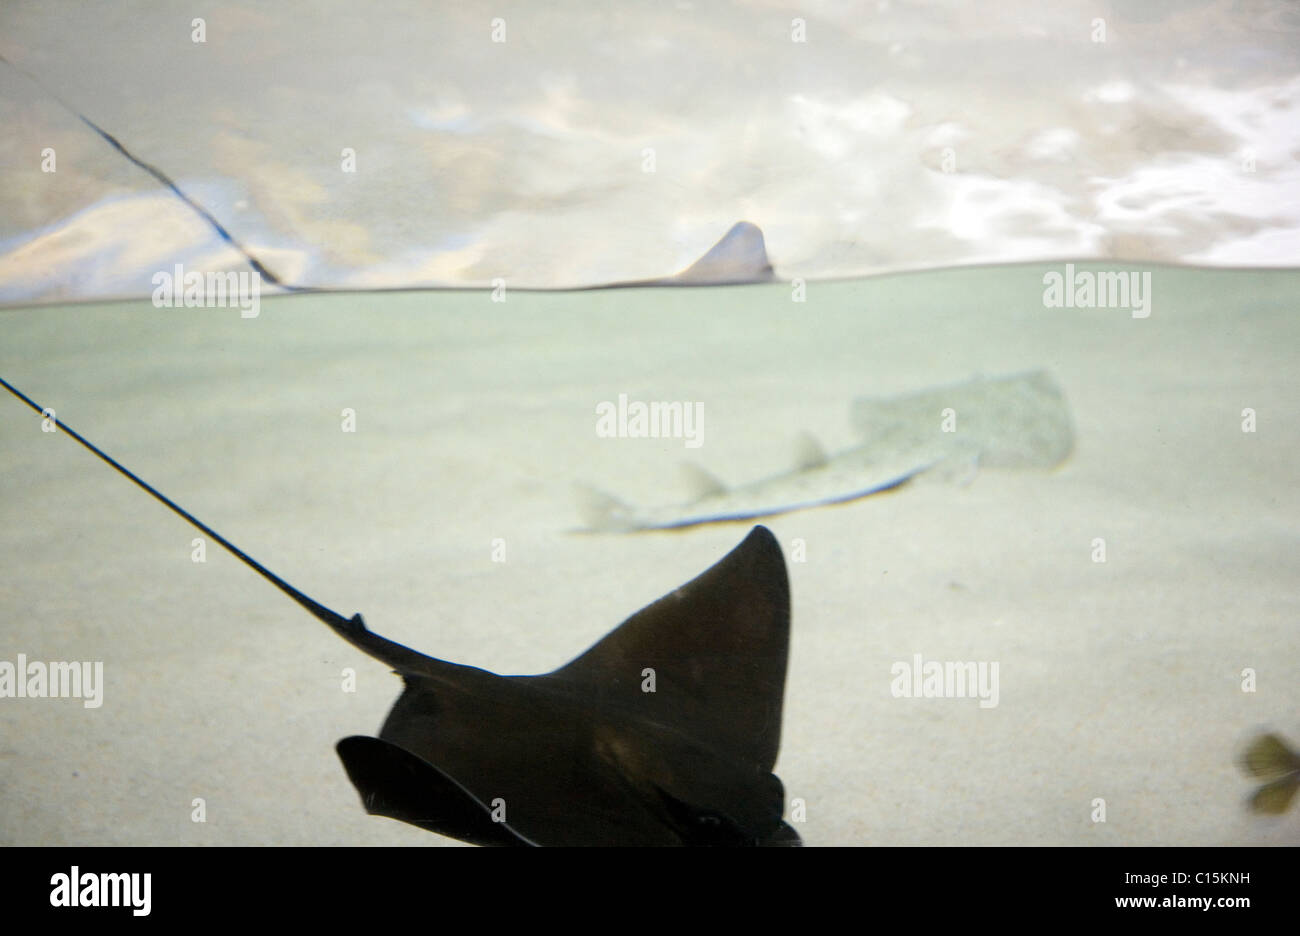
405 146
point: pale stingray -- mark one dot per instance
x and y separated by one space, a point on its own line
1020 421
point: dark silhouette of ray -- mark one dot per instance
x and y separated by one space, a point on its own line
665 732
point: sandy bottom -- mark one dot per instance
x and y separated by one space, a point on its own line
1119 680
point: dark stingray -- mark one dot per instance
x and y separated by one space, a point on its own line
665 732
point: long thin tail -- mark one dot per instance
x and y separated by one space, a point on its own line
343 625
399 656
166 181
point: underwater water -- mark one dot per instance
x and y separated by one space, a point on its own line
443 509
1069 233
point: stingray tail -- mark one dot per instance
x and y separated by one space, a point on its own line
351 629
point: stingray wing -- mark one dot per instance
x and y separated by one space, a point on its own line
717 647
395 783
584 756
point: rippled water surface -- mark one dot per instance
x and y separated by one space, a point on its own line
602 143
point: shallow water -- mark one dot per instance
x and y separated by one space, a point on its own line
1119 679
